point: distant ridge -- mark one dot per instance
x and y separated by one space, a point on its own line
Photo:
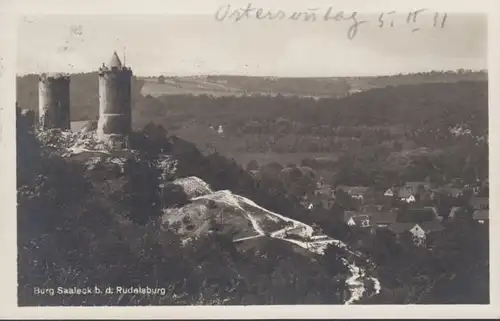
84 87
313 87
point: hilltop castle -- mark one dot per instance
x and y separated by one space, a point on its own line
115 102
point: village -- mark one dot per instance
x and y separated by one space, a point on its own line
418 208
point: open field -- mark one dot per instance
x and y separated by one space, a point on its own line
208 139
180 87
283 158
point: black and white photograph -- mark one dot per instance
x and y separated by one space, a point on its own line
255 155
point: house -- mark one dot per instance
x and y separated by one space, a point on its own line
348 215
418 215
481 216
409 192
399 228
385 218
420 231
357 192
406 195
453 192
431 226
410 199
431 209
417 187
323 198
390 192
324 190
450 191
371 208
358 219
479 203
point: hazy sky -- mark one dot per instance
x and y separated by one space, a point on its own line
198 44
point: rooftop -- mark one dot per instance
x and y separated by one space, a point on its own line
354 190
431 226
115 61
431 208
417 215
349 214
399 228
479 202
386 217
481 215
360 219
416 185
452 191
371 208
404 193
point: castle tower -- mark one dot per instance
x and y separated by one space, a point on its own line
115 102
54 101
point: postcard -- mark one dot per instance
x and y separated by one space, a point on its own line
249 159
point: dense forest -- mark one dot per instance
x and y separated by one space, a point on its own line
378 137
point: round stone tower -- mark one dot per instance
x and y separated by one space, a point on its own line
115 101
54 101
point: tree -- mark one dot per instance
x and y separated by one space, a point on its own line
28 150
141 195
173 195
270 173
252 165
343 199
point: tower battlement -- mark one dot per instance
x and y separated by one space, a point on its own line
105 69
54 77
